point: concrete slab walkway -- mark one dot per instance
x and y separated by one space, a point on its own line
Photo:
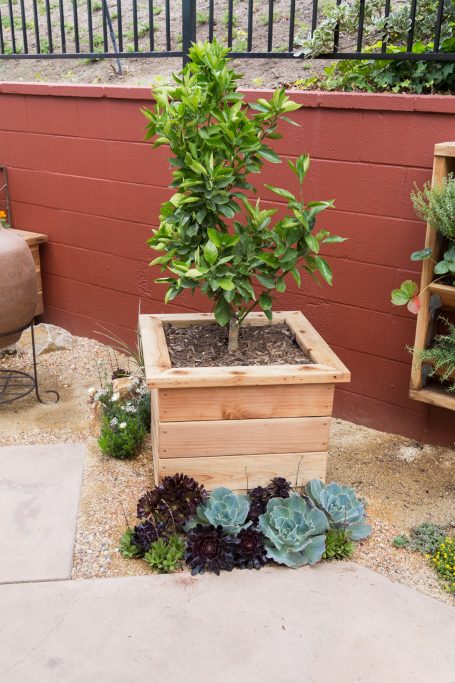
39 496
337 623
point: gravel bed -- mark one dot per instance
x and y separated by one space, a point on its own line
389 471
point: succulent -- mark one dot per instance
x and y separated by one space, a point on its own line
128 547
250 552
166 556
148 503
223 508
259 498
338 544
294 531
209 549
147 533
182 495
175 500
279 488
342 507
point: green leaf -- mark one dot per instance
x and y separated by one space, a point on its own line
280 191
265 301
222 312
281 286
171 293
324 268
215 237
226 283
265 281
210 252
296 275
408 289
269 155
334 239
421 255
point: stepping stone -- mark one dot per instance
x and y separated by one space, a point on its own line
39 496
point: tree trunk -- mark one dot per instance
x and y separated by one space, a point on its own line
234 329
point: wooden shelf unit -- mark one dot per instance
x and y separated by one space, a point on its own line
444 163
34 239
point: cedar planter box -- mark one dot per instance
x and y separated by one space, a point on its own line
240 426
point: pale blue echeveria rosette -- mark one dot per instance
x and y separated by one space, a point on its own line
341 506
294 531
225 508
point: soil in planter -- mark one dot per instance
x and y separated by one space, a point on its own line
207 345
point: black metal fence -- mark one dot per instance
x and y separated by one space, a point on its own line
95 29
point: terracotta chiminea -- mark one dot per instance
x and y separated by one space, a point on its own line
18 289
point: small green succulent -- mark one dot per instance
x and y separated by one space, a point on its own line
294 531
342 507
223 508
166 556
338 545
128 548
401 541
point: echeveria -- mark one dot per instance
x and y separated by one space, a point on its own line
341 506
294 531
223 508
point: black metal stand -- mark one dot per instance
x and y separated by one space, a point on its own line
15 384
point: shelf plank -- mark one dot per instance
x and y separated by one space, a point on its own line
436 396
446 293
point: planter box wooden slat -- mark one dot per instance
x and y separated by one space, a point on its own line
240 472
445 293
209 438
240 403
245 424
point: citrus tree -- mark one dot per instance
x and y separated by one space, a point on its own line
212 236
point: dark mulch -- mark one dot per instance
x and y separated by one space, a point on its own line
206 345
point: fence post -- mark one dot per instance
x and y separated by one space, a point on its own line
188 27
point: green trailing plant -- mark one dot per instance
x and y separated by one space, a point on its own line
212 237
121 439
128 547
441 356
223 508
426 537
166 555
338 545
436 205
341 506
294 531
209 549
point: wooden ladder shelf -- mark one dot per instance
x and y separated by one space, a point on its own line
434 297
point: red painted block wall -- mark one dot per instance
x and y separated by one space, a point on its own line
80 172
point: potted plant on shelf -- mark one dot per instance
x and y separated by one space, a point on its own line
242 393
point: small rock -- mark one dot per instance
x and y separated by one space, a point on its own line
124 387
48 338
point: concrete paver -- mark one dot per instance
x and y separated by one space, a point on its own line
39 495
337 623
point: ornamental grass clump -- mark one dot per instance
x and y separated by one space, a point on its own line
213 238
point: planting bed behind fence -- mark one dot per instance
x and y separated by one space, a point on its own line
80 172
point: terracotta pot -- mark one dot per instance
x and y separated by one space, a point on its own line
18 289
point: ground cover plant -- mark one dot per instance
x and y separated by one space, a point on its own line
214 238
124 423
438 546
180 522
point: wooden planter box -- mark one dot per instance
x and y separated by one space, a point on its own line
240 426
433 393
